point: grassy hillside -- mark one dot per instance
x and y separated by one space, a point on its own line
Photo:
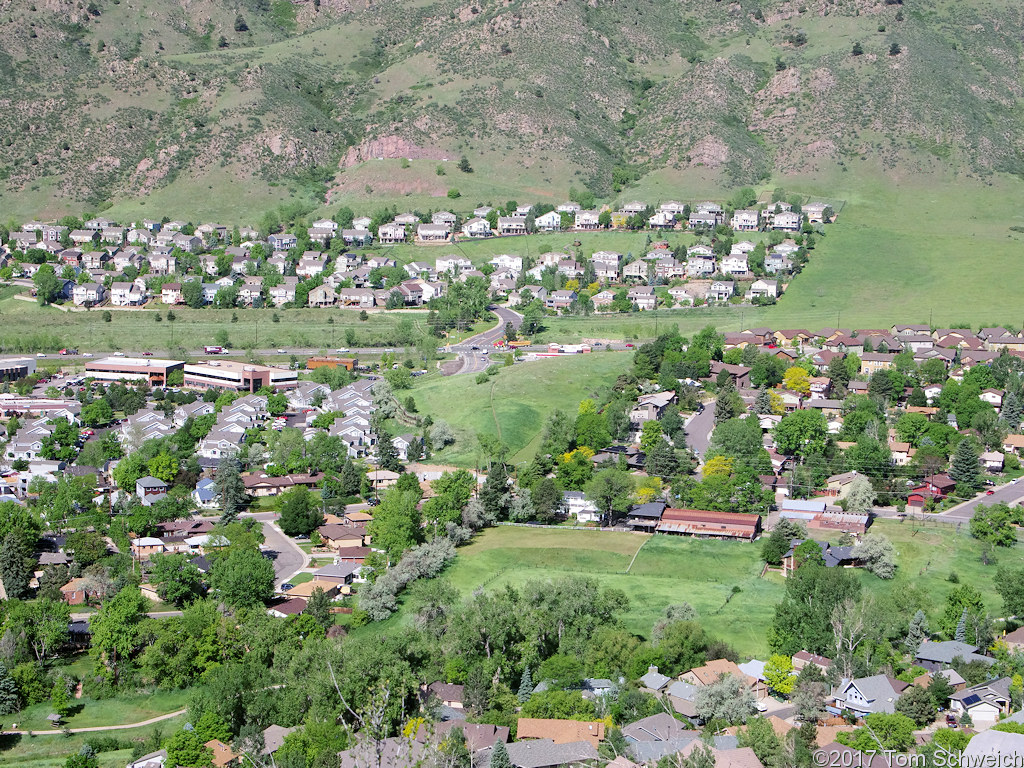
223 111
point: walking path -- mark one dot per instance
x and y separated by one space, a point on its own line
95 728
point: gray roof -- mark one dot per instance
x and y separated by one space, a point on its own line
338 571
654 680
541 753
996 743
682 690
652 509
659 727
150 482
945 651
650 751
878 690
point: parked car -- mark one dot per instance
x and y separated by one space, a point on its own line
286 586
951 720
87 354
147 354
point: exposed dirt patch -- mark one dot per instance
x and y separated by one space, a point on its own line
391 148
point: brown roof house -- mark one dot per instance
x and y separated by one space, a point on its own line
336 536
560 731
445 694
714 670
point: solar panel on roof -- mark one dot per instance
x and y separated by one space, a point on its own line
971 700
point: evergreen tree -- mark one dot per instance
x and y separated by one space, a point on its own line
961 628
728 403
349 479
230 488
916 633
499 756
9 692
525 685
965 469
387 454
763 402
917 398
319 607
495 492
1012 411
14 572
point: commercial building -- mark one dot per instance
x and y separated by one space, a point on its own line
12 368
348 363
147 369
240 377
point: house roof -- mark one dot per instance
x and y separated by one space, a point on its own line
659 727
881 691
714 669
273 738
945 651
560 731
542 753
336 571
336 532
654 679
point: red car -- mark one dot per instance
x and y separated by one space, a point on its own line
989 492
629 346
147 354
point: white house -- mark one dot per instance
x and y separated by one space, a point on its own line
549 222
579 506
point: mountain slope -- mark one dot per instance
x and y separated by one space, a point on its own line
114 99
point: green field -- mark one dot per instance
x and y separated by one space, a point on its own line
514 404
87 713
667 570
704 573
50 751
136 331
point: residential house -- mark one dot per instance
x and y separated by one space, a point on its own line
870 695
150 490
746 220
985 703
511 225
764 289
734 264
560 731
577 505
284 292
170 293
322 296
715 670
940 654
643 297
389 234
587 220
699 266
126 295
477 227
776 262
432 233
548 222
87 294
560 300
706 215
787 221
721 290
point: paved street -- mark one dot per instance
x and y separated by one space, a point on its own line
288 558
475 360
699 429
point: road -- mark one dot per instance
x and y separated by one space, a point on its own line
475 360
288 558
1009 493
699 429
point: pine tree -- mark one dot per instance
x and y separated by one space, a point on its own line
499 756
725 405
763 402
1012 411
349 479
964 469
230 488
387 454
917 632
9 692
525 685
961 628
13 571
495 493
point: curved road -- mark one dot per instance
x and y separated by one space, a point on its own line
475 360
96 728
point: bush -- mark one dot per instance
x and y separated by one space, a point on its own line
454 194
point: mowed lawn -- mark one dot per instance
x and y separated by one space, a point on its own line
51 751
514 404
88 712
667 570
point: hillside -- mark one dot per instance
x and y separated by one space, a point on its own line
228 110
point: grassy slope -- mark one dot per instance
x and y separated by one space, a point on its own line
51 751
671 570
127 709
515 403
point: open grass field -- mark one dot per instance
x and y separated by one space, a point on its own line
929 552
515 403
89 712
667 570
50 751
137 331
704 573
